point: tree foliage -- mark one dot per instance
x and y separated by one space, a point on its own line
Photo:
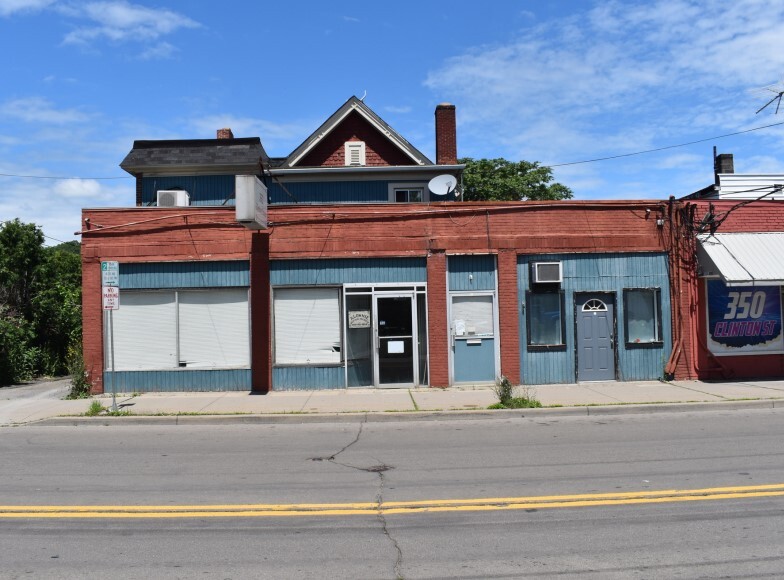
40 303
503 180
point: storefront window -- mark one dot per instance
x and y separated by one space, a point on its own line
545 319
642 316
307 326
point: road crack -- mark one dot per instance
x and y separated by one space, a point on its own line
379 469
398 566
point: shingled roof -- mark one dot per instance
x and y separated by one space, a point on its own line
195 156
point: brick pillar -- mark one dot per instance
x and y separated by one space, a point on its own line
509 315
437 327
92 323
260 336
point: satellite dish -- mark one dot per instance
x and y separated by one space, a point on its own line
442 184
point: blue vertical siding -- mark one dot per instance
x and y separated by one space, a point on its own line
178 380
366 191
468 273
599 273
184 274
348 271
308 378
202 189
329 192
474 363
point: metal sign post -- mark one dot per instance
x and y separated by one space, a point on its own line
110 292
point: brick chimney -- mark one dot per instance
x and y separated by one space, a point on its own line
723 163
225 133
446 135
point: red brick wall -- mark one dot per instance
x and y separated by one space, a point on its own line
331 152
92 322
413 230
759 216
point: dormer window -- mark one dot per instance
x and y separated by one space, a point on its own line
355 153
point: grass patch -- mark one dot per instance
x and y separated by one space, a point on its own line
517 403
410 394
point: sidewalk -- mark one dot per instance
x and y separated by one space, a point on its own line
43 405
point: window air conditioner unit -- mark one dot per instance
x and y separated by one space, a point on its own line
546 272
173 198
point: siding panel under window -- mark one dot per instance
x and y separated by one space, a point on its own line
348 271
184 274
179 380
471 273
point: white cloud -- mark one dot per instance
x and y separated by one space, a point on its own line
40 110
119 21
9 7
760 164
351 19
679 161
79 189
41 202
398 110
618 78
159 51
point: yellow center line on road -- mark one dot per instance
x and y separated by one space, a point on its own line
393 507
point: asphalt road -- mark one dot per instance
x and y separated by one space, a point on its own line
358 472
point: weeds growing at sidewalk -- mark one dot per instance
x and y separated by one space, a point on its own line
514 397
80 385
95 408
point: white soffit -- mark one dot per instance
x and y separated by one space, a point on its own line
744 258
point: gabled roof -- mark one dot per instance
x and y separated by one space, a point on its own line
355 105
194 155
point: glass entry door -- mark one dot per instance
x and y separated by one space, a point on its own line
395 329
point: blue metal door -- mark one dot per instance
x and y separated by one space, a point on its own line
595 337
473 338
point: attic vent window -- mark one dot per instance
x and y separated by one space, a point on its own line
355 153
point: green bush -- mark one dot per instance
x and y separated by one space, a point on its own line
18 357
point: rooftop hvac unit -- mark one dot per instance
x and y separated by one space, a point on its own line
546 272
173 198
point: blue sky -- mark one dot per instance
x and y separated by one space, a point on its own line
554 82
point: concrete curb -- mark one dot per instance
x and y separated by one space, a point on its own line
391 417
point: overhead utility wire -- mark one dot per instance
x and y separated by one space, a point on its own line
664 148
550 165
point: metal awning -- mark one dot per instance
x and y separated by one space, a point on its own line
743 259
